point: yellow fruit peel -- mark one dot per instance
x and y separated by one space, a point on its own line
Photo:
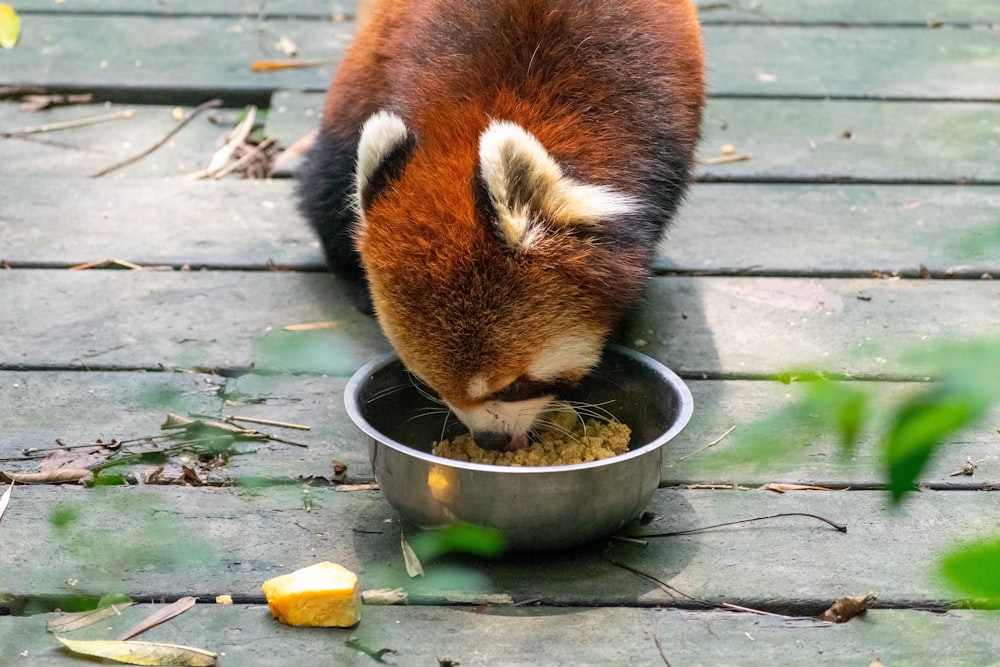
321 595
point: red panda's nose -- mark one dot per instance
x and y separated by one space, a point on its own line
492 440
497 441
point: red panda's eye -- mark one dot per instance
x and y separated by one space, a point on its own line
524 388
512 392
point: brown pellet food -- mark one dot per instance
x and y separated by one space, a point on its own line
565 439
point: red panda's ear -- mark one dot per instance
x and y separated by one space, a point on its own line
528 191
384 149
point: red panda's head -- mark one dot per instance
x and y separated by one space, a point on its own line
494 275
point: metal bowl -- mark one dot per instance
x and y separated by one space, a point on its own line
535 508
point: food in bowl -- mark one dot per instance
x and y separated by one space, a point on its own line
565 439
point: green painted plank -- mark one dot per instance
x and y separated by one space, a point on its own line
62 541
831 140
164 56
717 325
257 9
228 223
39 407
804 140
835 229
863 62
84 151
753 326
910 12
723 228
906 12
182 319
541 636
155 55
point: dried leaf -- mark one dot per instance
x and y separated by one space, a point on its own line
369 486
5 499
287 46
279 65
10 26
309 326
848 607
61 476
75 621
413 566
780 487
175 421
78 458
143 653
161 616
384 596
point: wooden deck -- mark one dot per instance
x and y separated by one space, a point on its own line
863 224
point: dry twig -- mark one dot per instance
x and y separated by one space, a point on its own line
211 104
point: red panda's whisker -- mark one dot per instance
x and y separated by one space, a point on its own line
388 391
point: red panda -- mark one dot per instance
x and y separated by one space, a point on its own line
495 175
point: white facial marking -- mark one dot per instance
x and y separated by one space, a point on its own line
569 354
479 386
514 418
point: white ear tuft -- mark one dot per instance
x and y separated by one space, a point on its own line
381 135
527 188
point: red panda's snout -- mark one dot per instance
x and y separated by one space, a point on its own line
494 275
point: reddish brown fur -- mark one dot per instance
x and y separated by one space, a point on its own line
432 264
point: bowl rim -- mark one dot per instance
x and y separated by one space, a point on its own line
686 405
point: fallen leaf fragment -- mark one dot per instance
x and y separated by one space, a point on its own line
309 326
413 566
287 46
384 596
846 608
142 653
5 499
322 595
368 486
278 65
724 159
158 617
10 26
779 487
60 476
81 619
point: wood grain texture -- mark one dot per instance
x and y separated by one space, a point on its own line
719 326
907 12
814 141
742 228
129 540
848 140
494 635
81 152
39 407
154 54
250 224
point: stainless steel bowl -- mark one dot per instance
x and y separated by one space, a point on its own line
535 508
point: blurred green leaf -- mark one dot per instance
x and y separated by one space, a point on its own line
920 427
965 384
974 569
458 538
62 516
823 406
